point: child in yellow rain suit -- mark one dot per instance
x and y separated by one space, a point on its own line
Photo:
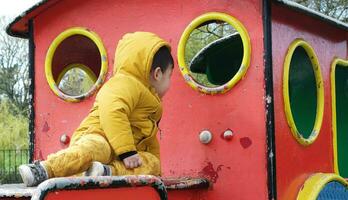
118 137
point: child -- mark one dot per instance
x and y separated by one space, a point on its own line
118 137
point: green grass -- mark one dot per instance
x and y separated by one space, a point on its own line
9 162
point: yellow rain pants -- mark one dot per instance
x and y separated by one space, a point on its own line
79 156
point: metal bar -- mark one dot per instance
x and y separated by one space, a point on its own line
9 165
13 156
31 89
7 161
10 159
3 163
15 166
21 159
271 149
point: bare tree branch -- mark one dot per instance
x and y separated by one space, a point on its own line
14 84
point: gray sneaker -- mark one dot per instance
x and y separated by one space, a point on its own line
98 169
33 174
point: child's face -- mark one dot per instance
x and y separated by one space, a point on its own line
161 80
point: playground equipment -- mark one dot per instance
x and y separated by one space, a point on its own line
257 108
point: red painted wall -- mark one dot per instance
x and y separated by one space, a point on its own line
238 167
293 161
132 193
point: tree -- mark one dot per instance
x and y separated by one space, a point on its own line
334 8
14 70
13 128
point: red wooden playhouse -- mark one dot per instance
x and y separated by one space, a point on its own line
258 107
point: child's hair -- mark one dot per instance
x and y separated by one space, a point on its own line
162 59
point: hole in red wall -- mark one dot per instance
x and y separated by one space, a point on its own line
214 53
76 64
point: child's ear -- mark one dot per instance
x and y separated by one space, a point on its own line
157 73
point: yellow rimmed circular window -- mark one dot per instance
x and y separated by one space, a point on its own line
76 64
339 99
214 53
323 186
303 92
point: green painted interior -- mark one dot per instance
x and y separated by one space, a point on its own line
341 83
302 92
221 60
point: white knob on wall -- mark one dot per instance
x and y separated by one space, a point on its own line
205 136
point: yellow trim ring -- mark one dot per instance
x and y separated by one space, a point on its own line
344 63
320 92
83 67
49 57
246 57
316 183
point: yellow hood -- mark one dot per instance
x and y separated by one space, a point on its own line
136 50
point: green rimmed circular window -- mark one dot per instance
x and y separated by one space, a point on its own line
76 64
214 53
303 92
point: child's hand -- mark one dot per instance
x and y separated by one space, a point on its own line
132 161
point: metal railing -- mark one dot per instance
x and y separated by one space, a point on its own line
10 159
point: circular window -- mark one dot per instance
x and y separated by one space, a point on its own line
214 53
323 186
76 64
303 92
339 99
76 79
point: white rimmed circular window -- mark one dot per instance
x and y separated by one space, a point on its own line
214 53
303 92
76 64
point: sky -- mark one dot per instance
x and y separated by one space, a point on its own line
13 8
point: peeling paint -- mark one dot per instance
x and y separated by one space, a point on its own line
40 156
245 142
186 183
15 191
268 99
45 127
210 173
81 183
